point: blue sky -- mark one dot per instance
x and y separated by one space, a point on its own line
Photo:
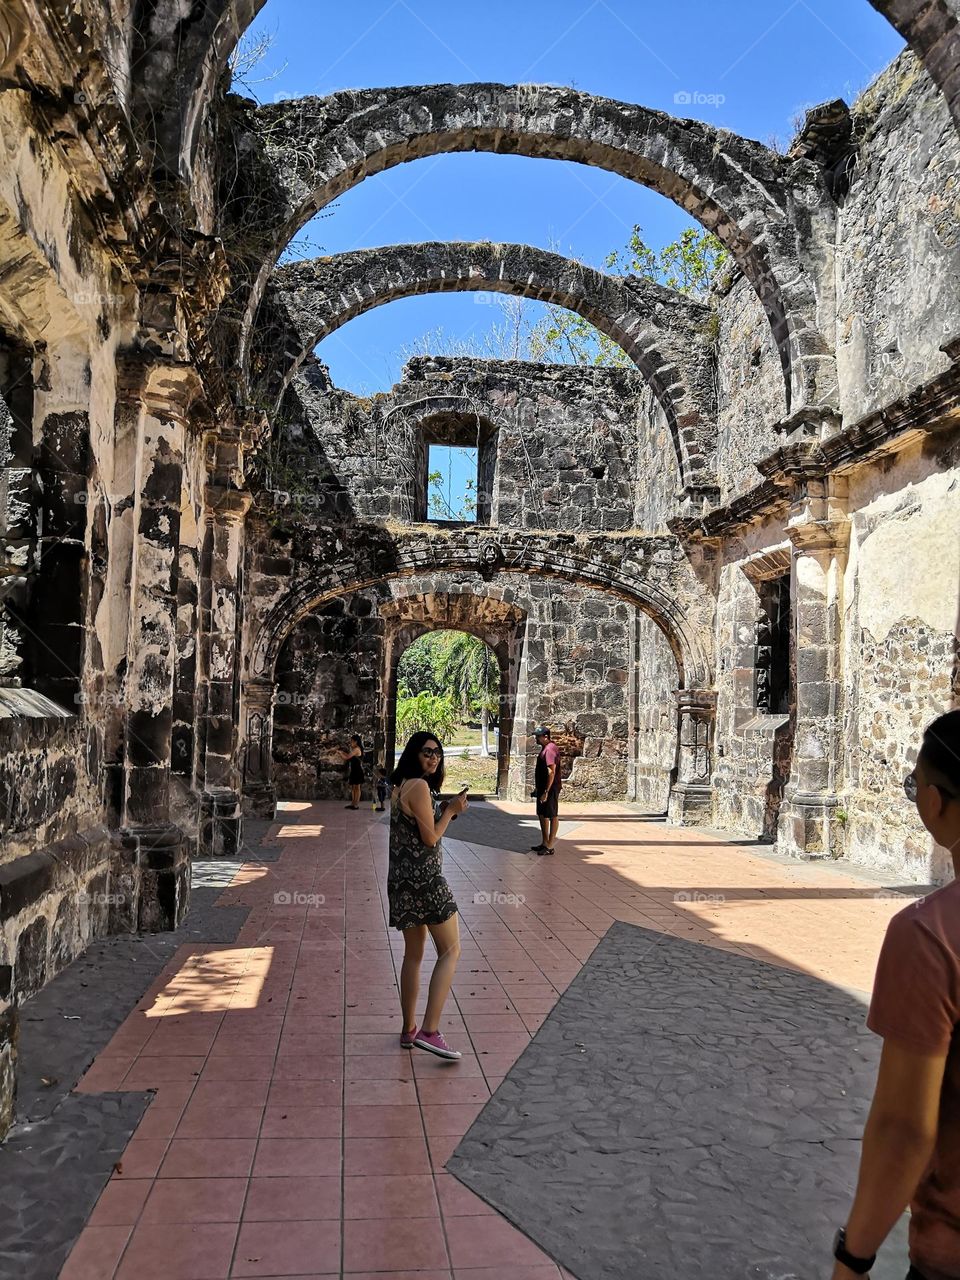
759 62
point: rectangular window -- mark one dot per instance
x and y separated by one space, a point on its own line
773 646
453 490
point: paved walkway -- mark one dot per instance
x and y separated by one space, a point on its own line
291 1136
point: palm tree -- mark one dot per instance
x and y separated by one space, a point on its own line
471 672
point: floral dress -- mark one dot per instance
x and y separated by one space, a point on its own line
416 889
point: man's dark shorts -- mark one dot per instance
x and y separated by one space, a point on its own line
548 810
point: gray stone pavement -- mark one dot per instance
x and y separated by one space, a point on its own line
62 1148
683 1111
484 823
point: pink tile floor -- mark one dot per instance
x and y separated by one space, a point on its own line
291 1136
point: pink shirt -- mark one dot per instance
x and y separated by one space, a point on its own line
916 1003
551 758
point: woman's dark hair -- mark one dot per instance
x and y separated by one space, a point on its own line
940 753
355 737
409 766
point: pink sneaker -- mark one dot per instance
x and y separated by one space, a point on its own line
406 1038
434 1042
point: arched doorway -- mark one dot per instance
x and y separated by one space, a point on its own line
451 683
494 623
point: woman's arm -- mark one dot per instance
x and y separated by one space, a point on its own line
420 803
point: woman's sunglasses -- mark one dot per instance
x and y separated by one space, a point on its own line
431 751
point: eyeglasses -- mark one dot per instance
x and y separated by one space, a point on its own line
431 751
911 783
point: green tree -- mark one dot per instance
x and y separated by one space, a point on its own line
687 265
471 674
421 664
425 712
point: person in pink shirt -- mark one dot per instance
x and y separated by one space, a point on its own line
547 790
911 1144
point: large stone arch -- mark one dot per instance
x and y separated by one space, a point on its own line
662 331
773 213
191 44
649 574
650 577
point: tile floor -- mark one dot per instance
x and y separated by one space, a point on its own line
291 1136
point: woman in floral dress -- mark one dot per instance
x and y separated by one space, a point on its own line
420 898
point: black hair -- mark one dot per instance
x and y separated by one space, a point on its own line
940 752
355 737
409 766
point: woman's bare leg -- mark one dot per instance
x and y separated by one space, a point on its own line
414 941
355 797
446 938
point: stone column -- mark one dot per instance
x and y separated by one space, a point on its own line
691 796
259 794
220 613
819 529
155 850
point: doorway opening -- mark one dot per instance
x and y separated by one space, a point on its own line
449 683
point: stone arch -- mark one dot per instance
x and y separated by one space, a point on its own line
414 608
198 41
662 331
773 213
414 568
656 594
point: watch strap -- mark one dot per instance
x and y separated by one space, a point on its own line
859 1266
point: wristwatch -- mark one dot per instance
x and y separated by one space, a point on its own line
859 1266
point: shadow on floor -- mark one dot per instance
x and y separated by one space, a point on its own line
683 1111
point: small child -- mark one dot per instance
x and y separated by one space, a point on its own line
381 788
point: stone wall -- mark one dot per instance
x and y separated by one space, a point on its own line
752 750
574 678
573 448
655 675
901 607
751 389
898 248
573 661
329 686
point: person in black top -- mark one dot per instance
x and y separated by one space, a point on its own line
353 757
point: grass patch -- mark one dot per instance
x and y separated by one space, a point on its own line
481 775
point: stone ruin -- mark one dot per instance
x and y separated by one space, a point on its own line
728 574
